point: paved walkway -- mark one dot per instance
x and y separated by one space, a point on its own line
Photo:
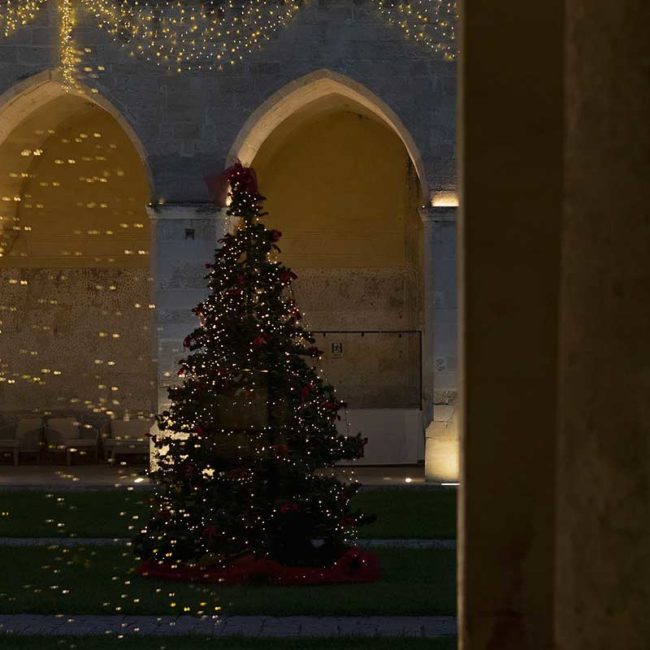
249 626
98 477
448 544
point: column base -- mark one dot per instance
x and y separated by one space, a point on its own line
442 447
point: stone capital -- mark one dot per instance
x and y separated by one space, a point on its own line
184 211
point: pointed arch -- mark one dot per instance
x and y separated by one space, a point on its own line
27 96
312 89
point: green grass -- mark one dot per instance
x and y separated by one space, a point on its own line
402 512
84 580
225 643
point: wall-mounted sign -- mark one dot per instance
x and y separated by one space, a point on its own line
336 350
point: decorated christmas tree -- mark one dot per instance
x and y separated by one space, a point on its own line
240 486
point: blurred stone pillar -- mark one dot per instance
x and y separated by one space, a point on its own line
511 151
439 351
603 461
184 239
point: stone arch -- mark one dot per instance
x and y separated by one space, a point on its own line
342 178
313 89
28 95
76 243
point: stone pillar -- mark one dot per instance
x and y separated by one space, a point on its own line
603 462
511 119
427 333
439 363
185 237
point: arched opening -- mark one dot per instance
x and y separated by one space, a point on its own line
344 190
76 311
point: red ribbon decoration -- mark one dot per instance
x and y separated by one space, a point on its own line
354 565
219 184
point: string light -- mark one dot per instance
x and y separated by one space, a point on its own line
17 13
184 36
68 55
429 22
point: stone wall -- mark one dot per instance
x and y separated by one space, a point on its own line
187 122
76 340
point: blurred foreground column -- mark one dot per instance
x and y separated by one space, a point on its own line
511 174
603 535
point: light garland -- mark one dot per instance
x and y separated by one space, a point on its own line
68 54
17 13
184 36
429 22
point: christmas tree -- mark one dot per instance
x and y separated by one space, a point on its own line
252 425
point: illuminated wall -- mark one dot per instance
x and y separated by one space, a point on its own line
341 188
76 289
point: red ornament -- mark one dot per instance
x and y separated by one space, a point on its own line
199 429
274 235
209 532
261 339
287 276
280 450
305 392
289 507
348 521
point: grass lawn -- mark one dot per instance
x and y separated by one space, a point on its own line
402 512
225 643
84 580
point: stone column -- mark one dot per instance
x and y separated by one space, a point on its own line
427 334
511 122
603 462
185 237
439 351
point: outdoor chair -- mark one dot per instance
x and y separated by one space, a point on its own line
9 442
67 435
128 437
25 435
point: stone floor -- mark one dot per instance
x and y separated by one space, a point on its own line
249 626
106 476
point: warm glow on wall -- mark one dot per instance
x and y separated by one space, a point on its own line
444 199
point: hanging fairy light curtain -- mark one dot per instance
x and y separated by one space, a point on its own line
429 22
14 13
186 35
211 34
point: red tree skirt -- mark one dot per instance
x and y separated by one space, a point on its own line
353 566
